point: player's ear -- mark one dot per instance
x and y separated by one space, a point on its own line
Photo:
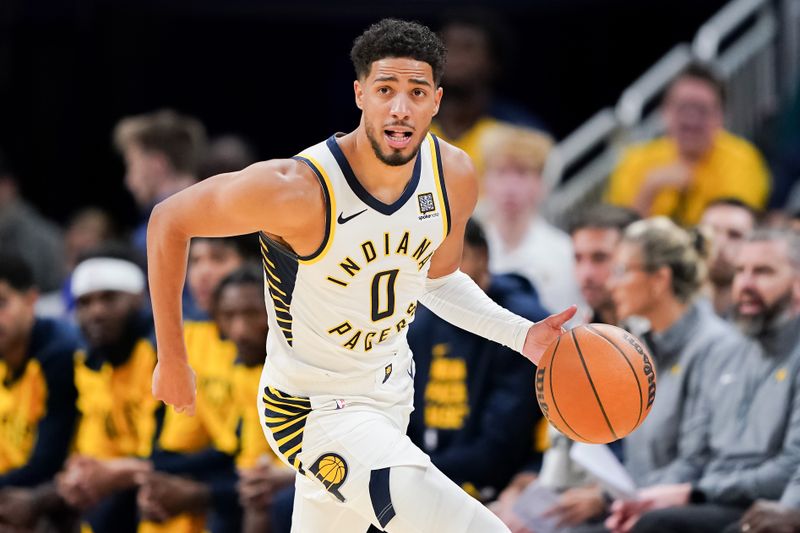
437 96
358 89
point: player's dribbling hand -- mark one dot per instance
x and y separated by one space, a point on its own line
541 334
174 384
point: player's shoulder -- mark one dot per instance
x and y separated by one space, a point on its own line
459 177
456 163
289 177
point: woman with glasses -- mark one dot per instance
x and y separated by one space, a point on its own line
659 269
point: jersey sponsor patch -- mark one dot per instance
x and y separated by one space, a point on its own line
426 203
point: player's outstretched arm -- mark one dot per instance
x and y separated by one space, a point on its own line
280 197
453 296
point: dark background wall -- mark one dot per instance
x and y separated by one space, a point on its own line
278 73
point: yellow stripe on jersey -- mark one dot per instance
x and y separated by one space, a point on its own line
438 179
273 276
278 299
331 208
275 287
265 252
285 416
283 423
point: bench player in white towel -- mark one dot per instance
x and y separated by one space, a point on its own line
354 231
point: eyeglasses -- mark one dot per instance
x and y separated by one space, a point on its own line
618 271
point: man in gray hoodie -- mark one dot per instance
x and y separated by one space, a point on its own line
747 427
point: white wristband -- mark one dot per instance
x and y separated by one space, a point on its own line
458 300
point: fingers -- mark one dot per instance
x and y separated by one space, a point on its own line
614 520
629 523
558 319
185 409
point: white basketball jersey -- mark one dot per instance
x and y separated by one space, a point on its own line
340 315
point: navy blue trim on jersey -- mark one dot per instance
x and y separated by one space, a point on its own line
329 214
441 181
362 193
380 496
280 269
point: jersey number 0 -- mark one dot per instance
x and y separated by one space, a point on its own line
383 307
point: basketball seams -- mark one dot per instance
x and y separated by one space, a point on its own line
591 383
553 395
630 364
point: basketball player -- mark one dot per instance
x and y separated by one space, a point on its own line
355 230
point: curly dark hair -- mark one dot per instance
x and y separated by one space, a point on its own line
398 38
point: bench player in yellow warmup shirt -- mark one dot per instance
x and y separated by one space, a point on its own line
117 415
37 394
201 448
240 313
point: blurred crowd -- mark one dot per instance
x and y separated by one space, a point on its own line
695 249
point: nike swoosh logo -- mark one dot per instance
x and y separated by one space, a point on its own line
342 219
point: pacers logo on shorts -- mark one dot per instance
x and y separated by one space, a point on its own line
331 470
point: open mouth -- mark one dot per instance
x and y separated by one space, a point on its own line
397 139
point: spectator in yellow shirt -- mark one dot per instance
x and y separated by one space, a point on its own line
697 161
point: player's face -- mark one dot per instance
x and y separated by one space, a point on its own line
513 188
765 285
209 262
631 285
398 99
730 225
241 317
16 316
103 316
693 115
594 251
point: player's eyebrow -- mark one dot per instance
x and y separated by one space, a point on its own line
417 81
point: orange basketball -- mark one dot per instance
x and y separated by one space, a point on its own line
596 383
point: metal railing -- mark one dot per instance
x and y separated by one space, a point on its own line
755 47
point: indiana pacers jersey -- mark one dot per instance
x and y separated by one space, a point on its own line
341 314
